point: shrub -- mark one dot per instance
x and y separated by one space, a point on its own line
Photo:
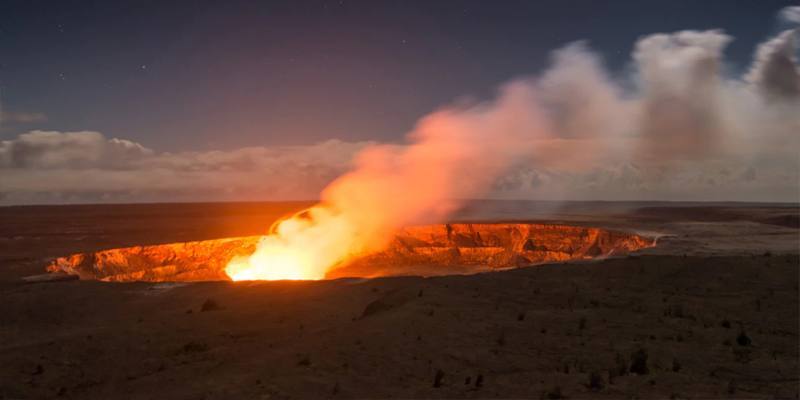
595 381
209 305
639 362
743 339
438 379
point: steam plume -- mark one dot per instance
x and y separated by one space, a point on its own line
682 112
453 154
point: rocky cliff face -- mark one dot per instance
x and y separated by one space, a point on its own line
188 261
422 250
469 248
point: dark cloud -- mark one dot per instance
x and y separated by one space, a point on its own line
775 72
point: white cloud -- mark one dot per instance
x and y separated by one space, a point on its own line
88 167
790 14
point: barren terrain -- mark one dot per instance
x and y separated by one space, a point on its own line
710 312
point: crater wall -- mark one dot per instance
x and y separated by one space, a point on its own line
444 249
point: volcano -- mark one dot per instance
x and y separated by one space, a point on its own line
444 249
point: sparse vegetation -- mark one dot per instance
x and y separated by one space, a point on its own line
194 347
595 382
438 379
209 305
639 362
501 340
676 365
620 368
743 339
554 394
675 311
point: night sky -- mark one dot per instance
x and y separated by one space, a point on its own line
196 75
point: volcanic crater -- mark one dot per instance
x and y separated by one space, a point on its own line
443 249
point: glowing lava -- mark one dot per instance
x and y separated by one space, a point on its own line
302 247
454 153
427 250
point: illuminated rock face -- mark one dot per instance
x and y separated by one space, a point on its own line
188 261
422 250
470 248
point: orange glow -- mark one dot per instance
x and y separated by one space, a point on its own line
453 154
302 247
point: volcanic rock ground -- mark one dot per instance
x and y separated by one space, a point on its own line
711 312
